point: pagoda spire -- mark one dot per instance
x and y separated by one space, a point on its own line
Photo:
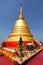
21 13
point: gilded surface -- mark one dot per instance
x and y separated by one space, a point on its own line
20 30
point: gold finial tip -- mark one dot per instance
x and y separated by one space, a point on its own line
21 13
21 8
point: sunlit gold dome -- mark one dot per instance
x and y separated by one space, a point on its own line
20 30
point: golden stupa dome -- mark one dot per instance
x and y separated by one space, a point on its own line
20 29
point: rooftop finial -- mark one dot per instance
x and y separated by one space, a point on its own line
21 14
21 8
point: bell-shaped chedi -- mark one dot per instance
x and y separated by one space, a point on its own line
20 30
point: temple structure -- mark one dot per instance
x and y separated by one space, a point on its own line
20 29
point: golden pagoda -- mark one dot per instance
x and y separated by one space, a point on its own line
20 29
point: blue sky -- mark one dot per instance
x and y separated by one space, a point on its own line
33 14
